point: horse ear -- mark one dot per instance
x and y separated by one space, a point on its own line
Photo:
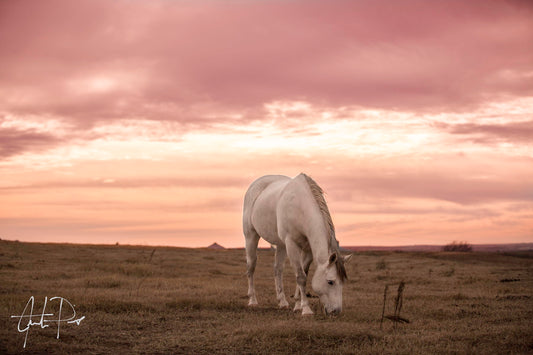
347 257
332 258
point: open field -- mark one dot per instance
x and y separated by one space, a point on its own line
172 300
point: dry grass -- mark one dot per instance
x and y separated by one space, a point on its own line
171 300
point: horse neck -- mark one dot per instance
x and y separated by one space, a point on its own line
318 238
314 224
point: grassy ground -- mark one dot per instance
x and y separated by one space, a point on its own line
172 300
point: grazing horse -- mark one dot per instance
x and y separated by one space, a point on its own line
292 215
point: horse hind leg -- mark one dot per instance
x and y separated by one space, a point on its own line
252 239
279 262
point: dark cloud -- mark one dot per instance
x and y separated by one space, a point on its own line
17 141
187 60
515 132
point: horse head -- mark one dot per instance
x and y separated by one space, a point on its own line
328 281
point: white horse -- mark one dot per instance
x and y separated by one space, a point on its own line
292 214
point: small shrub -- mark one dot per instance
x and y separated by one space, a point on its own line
458 246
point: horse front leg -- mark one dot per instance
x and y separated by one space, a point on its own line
294 253
307 257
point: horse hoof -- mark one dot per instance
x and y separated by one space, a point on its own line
252 303
284 304
306 311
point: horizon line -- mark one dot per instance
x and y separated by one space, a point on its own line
242 247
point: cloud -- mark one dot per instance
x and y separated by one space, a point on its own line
145 112
97 60
18 141
516 132
214 182
468 180
439 187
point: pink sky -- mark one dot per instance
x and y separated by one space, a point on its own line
144 122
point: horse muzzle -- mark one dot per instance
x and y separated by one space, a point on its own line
332 311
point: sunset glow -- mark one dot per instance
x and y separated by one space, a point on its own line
144 122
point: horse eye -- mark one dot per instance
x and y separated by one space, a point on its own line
331 282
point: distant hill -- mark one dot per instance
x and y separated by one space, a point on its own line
476 247
216 246
433 248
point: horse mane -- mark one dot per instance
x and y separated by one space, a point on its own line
333 244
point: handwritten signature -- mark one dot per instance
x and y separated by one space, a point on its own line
45 317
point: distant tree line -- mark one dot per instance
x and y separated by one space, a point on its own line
458 246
